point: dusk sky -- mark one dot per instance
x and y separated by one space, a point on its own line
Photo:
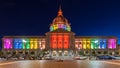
33 17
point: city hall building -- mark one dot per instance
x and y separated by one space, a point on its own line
60 41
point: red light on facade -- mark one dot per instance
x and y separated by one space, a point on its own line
60 42
66 42
54 41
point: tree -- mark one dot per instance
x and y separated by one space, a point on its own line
8 53
105 52
14 53
1 53
86 52
32 53
99 52
42 53
81 53
110 53
116 53
93 53
20 52
26 53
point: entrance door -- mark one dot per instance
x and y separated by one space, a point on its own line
65 53
60 53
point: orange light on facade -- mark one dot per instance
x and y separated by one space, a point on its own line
54 41
78 44
60 46
66 42
41 43
59 40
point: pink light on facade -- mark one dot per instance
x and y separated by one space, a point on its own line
111 43
7 43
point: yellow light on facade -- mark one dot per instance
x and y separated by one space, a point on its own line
88 44
84 44
31 43
35 46
55 27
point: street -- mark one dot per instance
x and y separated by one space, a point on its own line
60 64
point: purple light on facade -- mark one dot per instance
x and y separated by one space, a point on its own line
7 43
112 43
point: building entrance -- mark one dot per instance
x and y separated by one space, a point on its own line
61 55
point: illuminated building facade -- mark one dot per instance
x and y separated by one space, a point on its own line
61 42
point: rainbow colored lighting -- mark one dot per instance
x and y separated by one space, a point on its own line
111 43
103 44
90 43
60 45
54 41
60 26
66 41
84 44
41 44
17 43
7 43
94 44
59 41
25 43
33 43
78 44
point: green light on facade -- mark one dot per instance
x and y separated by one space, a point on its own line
96 44
92 44
27 44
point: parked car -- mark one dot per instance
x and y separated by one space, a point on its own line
83 57
105 57
76 58
21 58
116 57
14 58
3 59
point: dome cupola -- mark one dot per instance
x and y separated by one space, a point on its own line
60 22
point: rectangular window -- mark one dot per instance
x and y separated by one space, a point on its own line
88 44
102 44
7 43
111 43
18 43
54 41
66 41
60 43
84 44
78 43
